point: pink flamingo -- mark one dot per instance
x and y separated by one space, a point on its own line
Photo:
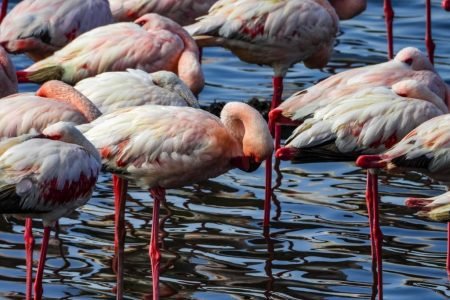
160 147
39 179
151 43
424 149
183 12
54 23
110 91
409 63
8 78
369 121
55 101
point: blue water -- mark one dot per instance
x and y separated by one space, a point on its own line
213 247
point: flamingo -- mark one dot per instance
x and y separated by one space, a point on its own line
27 113
40 27
151 43
409 63
39 179
8 78
425 149
369 121
161 147
54 101
110 91
183 12
446 5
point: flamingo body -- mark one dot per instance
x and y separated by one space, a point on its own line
169 147
274 33
110 91
157 43
40 27
369 121
183 12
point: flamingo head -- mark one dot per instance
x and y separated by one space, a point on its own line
414 58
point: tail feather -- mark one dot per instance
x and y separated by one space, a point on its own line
208 41
44 74
441 213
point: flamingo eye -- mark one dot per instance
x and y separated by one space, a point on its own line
409 61
141 23
402 94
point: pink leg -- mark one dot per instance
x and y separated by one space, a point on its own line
389 16
29 245
378 236
4 10
428 37
120 191
277 82
41 265
371 228
448 248
155 256
268 192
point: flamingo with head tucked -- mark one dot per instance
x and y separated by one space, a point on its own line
183 12
151 43
39 179
40 27
409 63
161 147
110 91
425 149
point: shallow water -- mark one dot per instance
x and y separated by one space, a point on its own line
213 247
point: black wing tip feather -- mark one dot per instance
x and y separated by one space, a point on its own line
10 202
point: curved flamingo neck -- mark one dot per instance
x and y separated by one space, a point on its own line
60 91
248 127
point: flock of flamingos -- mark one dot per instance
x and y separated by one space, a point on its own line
99 109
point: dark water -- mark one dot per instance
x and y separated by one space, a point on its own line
213 247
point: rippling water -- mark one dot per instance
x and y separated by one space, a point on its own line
213 247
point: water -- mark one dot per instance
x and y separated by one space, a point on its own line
213 247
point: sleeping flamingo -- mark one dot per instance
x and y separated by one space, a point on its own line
8 78
161 147
40 27
409 63
183 12
369 121
39 179
151 43
110 91
425 149
27 113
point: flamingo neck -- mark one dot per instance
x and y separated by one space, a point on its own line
65 93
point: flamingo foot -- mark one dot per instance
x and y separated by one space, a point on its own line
158 195
40 271
287 153
417 202
120 190
29 246
370 161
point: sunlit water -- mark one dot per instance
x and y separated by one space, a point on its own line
213 247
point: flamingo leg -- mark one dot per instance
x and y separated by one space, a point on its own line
371 229
158 194
120 190
29 245
268 193
4 10
41 265
378 236
448 249
428 36
389 16
277 82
